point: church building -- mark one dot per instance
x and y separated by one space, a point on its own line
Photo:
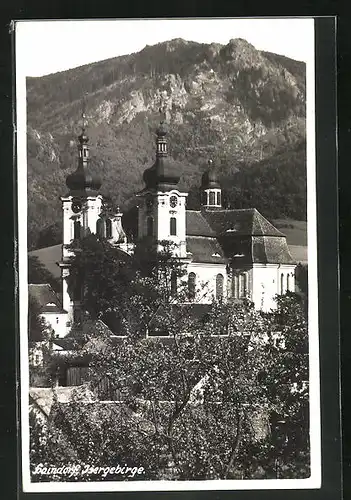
227 253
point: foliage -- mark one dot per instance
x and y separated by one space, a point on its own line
276 186
196 402
301 273
38 274
125 291
40 336
37 326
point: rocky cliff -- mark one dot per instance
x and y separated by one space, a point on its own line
240 106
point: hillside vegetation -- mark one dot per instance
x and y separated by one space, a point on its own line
243 108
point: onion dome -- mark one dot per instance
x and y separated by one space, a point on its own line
83 182
163 175
209 178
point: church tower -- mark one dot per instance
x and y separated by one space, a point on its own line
162 206
211 192
81 209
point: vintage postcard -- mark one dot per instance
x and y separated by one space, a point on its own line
167 239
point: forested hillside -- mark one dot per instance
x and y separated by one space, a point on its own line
243 108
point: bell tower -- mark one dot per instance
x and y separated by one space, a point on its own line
162 206
81 209
211 192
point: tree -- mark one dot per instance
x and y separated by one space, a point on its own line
195 401
50 235
37 326
125 291
285 378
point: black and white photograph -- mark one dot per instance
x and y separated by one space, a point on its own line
167 250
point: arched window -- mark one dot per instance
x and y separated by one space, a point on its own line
219 198
100 228
242 285
287 282
282 284
76 229
108 228
235 286
173 283
219 286
212 198
150 226
192 285
173 226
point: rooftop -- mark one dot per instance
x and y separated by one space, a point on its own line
244 222
46 298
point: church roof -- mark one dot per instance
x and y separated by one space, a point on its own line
243 251
271 250
49 257
46 298
205 249
197 225
244 222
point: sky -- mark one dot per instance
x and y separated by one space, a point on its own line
45 47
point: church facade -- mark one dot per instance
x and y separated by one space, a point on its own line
227 253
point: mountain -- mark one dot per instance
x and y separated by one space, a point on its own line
242 107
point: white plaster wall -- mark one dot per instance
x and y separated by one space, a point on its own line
58 322
87 217
67 212
91 213
206 280
66 299
161 213
266 284
285 271
164 213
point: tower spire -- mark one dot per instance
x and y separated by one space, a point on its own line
161 141
83 181
83 148
84 117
